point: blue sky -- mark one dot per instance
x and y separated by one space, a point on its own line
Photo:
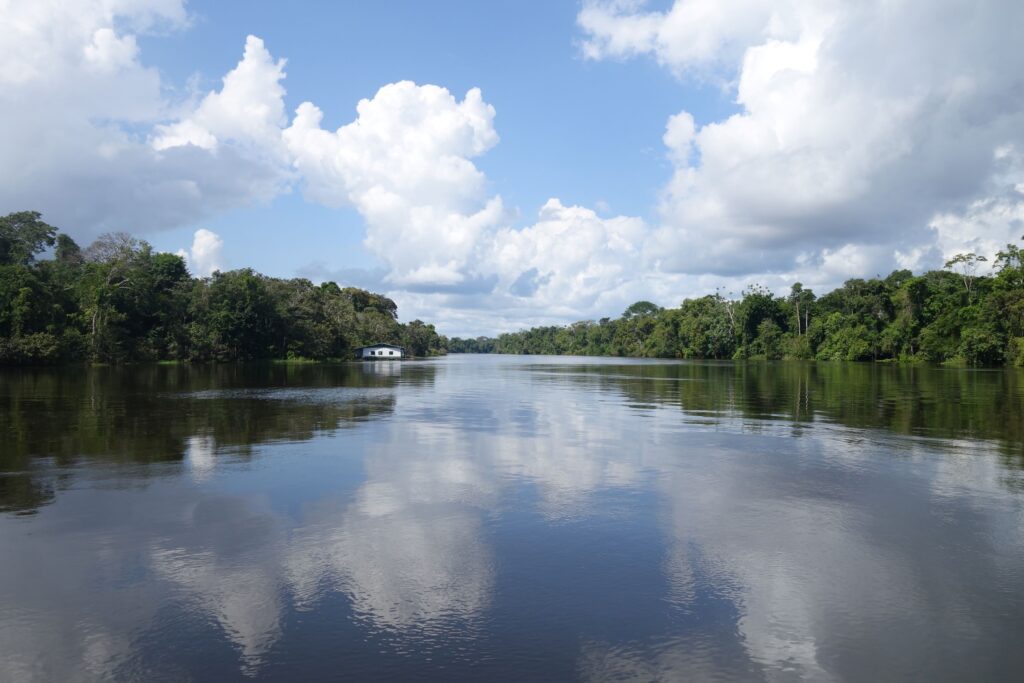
511 163
569 127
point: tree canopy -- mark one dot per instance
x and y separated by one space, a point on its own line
119 300
966 313
22 236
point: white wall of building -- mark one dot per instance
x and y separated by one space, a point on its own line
382 353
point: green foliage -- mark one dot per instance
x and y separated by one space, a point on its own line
956 315
1015 353
420 339
980 346
235 317
706 329
640 308
22 236
68 252
843 337
966 266
768 343
757 306
118 300
37 348
477 345
797 347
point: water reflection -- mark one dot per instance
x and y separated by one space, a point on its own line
218 560
512 519
408 546
157 414
199 456
952 403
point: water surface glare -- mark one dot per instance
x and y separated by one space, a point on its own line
512 518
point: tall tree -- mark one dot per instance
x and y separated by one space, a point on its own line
966 266
23 235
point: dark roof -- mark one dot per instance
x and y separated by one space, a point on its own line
382 346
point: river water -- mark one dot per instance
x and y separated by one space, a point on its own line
512 518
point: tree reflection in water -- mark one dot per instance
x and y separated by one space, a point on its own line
517 517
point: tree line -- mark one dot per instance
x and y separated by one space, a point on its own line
119 300
959 314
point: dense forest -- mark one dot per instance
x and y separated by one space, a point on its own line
119 300
971 312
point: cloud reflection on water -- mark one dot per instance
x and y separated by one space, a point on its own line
809 557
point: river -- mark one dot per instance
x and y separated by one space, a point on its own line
512 518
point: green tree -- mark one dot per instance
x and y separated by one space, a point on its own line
640 308
23 235
757 305
706 328
68 252
966 266
801 300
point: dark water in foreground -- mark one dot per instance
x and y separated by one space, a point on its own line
512 518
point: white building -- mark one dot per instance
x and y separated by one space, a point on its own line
381 352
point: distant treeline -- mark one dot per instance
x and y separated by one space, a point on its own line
957 315
119 300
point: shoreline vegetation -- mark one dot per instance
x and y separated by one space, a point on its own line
120 301
970 313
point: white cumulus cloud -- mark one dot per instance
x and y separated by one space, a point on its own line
248 108
866 136
570 260
866 133
78 106
90 137
405 164
206 253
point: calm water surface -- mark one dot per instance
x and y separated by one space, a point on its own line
512 518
